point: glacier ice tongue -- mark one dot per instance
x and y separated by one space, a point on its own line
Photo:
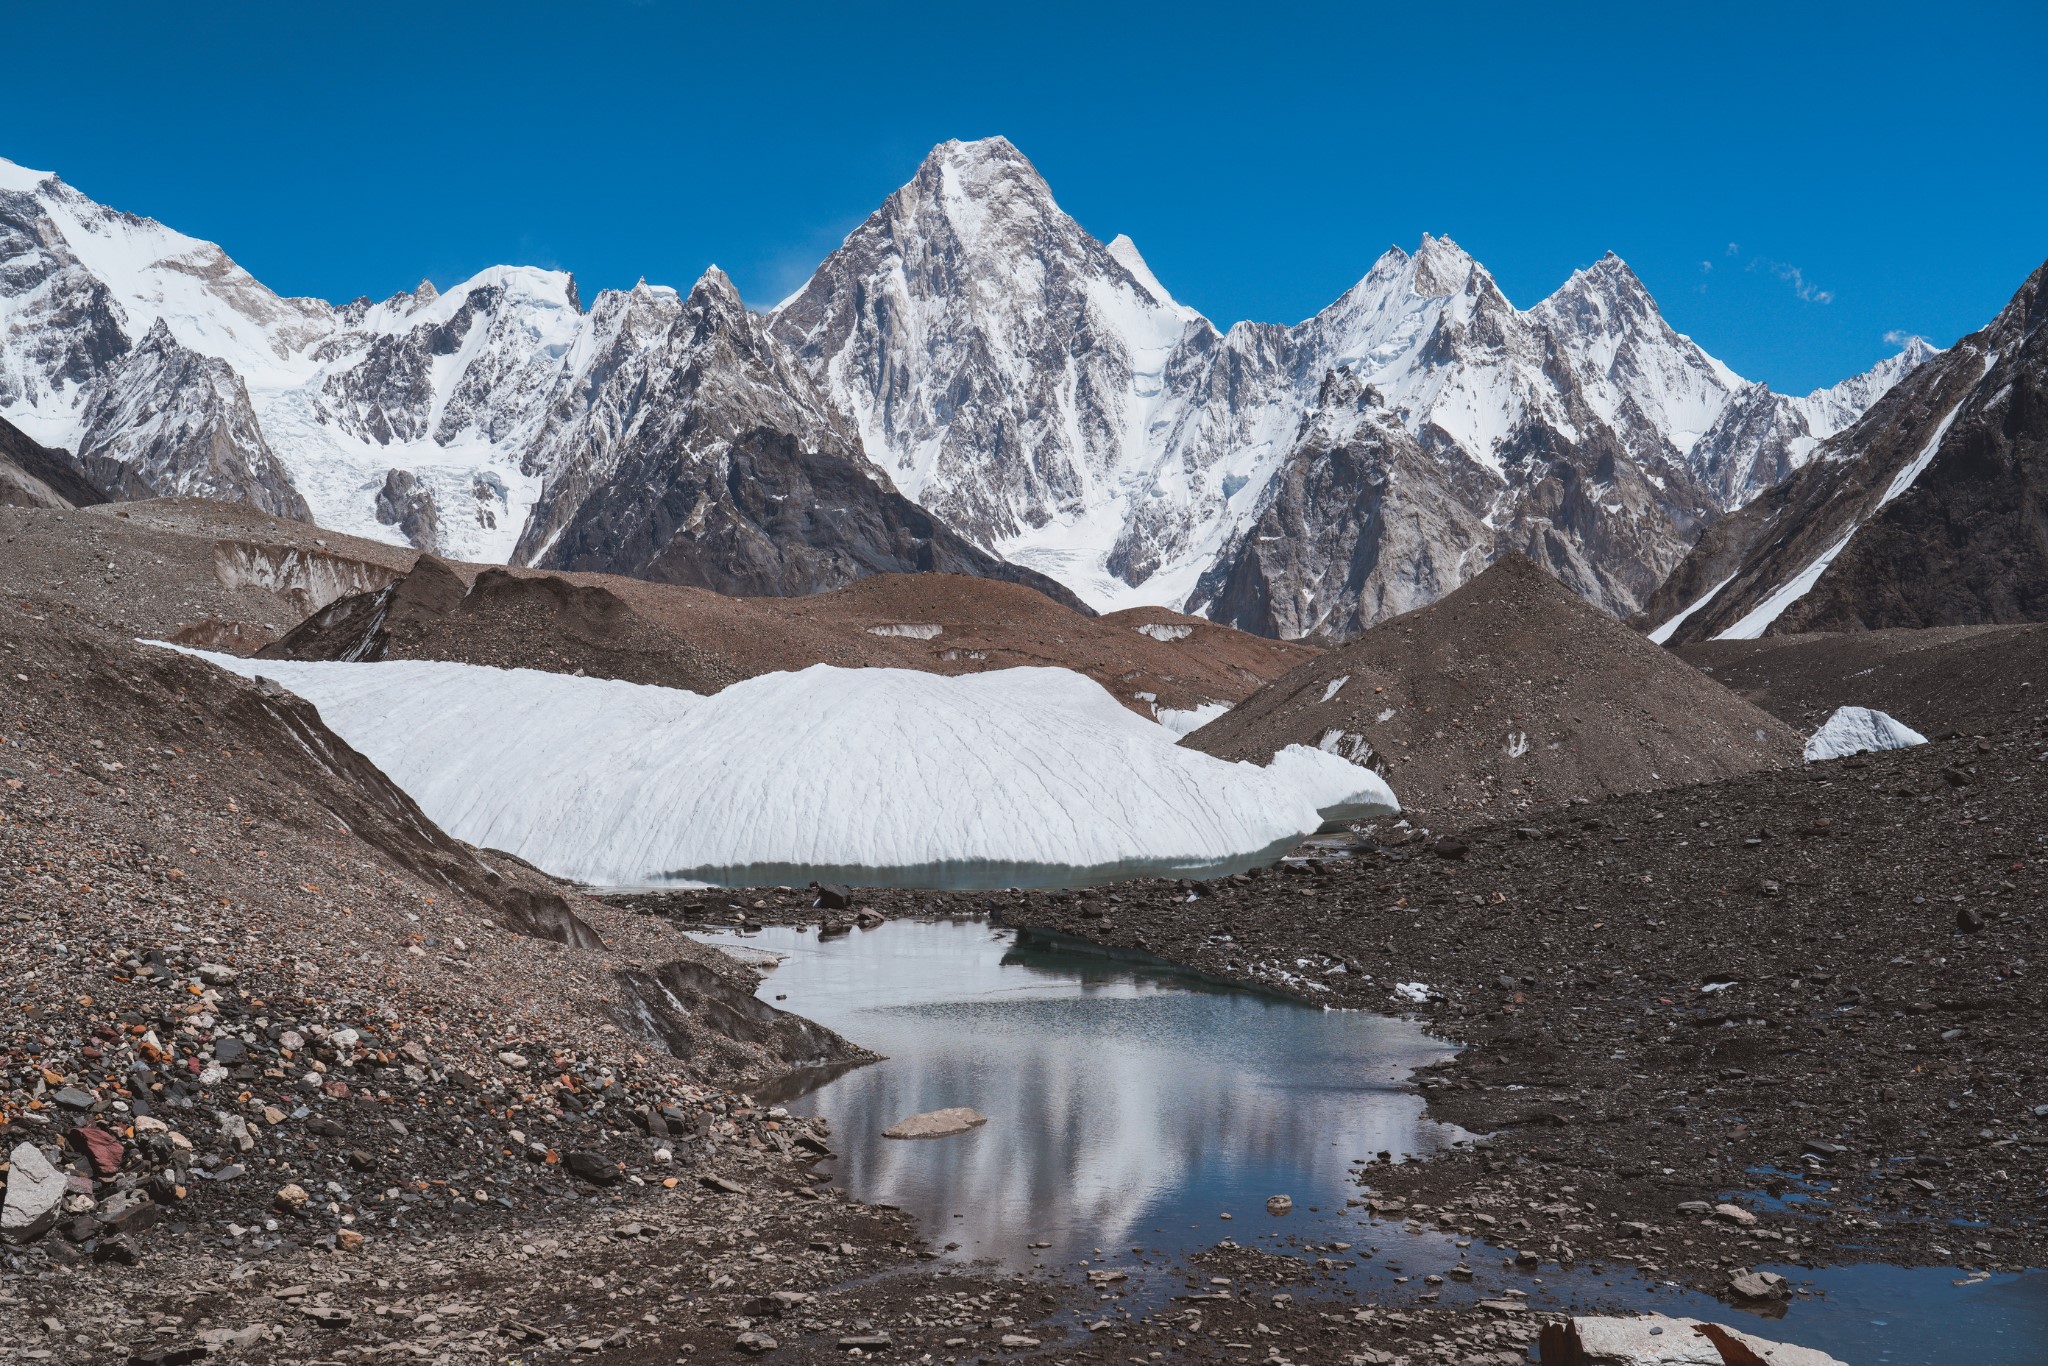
1017 777
1859 730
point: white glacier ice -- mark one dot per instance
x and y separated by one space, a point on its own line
1859 730
1017 777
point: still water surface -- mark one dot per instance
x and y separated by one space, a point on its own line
1132 1106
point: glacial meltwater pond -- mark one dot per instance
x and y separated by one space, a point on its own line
1138 1113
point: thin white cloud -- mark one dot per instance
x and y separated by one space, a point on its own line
1795 277
1901 337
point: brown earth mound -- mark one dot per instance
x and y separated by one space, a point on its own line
1947 680
1511 692
682 637
153 569
226 576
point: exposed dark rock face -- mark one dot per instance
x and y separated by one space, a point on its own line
1361 524
1932 510
406 503
1365 522
62 327
167 421
703 457
34 475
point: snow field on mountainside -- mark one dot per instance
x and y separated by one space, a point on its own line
883 776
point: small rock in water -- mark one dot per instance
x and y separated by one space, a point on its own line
1279 1204
1756 1285
957 1119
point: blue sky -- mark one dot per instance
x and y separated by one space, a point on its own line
1793 182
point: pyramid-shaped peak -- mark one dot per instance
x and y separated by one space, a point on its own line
1442 267
1917 351
977 166
969 150
714 288
1125 253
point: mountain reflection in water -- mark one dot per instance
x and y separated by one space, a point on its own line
1127 1100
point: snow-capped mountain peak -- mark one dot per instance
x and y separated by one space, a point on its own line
20 179
1442 268
1636 372
1036 388
1002 365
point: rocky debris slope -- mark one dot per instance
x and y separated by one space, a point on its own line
32 475
1509 694
1151 659
1042 390
222 575
1923 513
256 1000
1943 681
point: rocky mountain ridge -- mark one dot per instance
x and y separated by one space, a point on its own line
1045 393
1032 394
1923 513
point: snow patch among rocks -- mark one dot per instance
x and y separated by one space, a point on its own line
909 630
1160 630
1018 777
1859 730
1188 720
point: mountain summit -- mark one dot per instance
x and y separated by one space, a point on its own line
979 376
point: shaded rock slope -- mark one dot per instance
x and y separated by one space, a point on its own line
34 475
1929 511
1945 680
1511 692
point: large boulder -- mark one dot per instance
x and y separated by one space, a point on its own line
35 1194
1654 1340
